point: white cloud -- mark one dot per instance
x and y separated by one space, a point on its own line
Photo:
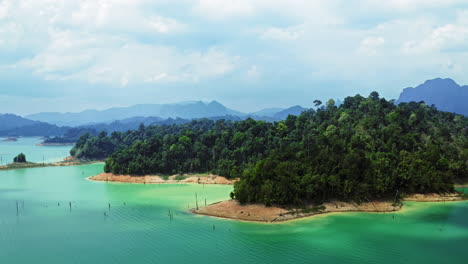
216 9
447 37
91 41
416 4
281 34
4 9
118 15
371 45
10 35
127 43
121 61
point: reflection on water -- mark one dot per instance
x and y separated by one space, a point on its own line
57 216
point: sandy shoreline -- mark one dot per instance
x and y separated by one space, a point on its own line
156 179
231 209
433 197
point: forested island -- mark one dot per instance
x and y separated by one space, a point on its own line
366 149
69 137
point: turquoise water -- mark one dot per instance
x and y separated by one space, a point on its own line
9 150
137 228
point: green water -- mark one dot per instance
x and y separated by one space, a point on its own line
9 150
137 228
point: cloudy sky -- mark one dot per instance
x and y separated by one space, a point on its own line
70 55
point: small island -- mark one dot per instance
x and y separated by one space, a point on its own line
10 139
69 161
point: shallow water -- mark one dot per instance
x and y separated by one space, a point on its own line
137 227
9 150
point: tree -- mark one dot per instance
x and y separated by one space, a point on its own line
317 103
21 158
374 95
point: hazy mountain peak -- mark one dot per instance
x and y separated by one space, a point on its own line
187 110
294 110
445 94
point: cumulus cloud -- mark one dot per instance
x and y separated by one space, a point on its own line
89 41
281 34
448 37
253 45
121 61
371 45
215 9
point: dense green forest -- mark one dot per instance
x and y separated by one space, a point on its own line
366 148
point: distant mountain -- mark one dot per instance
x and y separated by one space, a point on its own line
295 110
187 110
445 94
146 120
10 121
133 123
93 121
269 112
13 125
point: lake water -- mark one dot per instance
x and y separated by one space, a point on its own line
9 150
137 227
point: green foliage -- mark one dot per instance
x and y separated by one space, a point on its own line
21 158
366 148
180 177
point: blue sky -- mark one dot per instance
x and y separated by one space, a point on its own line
58 55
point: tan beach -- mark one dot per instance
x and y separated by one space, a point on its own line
157 179
231 209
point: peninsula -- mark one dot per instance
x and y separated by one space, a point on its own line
366 154
232 209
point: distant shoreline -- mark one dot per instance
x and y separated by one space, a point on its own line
157 179
69 161
55 144
231 209
10 139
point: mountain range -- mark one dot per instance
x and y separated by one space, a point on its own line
127 118
445 94
13 125
188 110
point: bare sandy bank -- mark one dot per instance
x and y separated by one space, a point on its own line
433 197
156 179
231 209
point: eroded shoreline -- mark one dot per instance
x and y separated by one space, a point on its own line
157 179
231 209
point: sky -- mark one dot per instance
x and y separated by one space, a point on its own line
71 55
